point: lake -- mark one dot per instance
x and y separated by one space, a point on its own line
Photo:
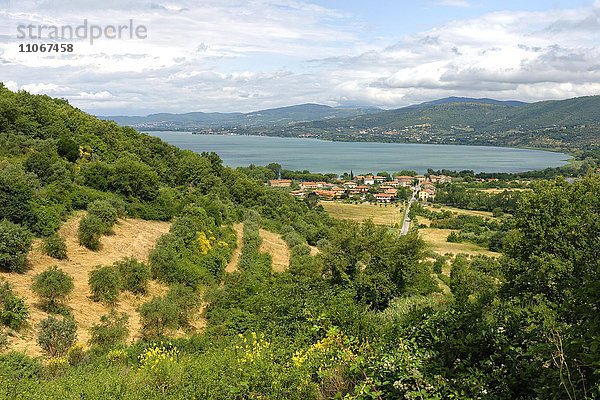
339 157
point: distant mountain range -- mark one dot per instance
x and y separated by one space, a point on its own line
263 118
555 124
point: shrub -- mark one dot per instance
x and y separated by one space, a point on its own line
111 330
90 229
3 341
454 237
52 286
67 148
16 192
157 316
18 366
45 219
13 312
57 335
187 301
56 367
439 263
96 175
55 246
134 275
105 212
76 355
105 284
169 264
15 243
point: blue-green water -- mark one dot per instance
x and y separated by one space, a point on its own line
338 157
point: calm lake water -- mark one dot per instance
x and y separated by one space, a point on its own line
338 157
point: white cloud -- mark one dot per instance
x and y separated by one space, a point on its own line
239 56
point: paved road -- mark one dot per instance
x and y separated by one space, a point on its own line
406 222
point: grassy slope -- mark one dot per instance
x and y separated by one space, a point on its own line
436 239
132 238
274 244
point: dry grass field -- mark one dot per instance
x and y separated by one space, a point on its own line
456 210
498 190
235 258
380 214
274 244
436 240
131 238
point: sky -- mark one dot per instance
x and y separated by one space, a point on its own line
233 55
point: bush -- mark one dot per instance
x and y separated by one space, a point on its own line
16 192
52 286
55 246
105 212
3 341
497 212
133 178
13 312
134 275
15 243
17 366
67 148
187 301
157 316
45 219
57 335
90 229
105 284
169 263
439 263
454 237
111 330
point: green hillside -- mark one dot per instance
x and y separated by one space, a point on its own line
565 125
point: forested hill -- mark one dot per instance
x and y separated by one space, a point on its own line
264 118
563 124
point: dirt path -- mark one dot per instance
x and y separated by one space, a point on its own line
239 233
131 238
274 244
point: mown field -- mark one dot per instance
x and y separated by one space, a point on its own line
131 238
436 239
380 214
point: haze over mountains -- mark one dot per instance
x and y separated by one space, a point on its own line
557 124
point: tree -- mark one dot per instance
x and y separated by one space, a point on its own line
57 335
105 284
15 243
16 192
133 178
157 316
67 148
312 199
554 257
52 286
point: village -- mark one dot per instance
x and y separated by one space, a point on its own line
367 188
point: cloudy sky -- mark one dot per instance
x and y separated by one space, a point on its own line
227 55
